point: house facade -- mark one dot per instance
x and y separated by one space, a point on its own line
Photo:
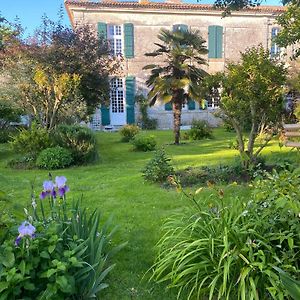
132 28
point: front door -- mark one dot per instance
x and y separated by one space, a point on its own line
117 102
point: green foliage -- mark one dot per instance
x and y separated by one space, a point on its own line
23 162
289 33
252 97
292 285
128 132
227 250
179 76
31 141
40 267
79 140
158 168
54 158
99 250
146 122
6 135
8 113
200 130
68 257
144 143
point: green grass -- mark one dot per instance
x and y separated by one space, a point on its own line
115 186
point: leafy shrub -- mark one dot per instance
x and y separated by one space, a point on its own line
144 143
128 132
81 141
200 129
228 250
31 141
6 135
54 158
65 254
158 168
149 124
146 122
23 162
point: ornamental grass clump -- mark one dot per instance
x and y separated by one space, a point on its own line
58 252
229 250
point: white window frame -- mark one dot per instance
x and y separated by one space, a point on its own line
115 34
275 50
114 86
216 98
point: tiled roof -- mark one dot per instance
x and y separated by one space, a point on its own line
164 5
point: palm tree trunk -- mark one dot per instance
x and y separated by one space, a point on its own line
177 121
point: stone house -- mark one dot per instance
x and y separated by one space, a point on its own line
132 28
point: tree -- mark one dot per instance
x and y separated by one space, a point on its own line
179 77
289 21
57 75
251 92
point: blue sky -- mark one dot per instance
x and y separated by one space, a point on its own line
30 12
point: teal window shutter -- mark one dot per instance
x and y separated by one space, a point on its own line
128 40
215 41
130 94
102 30
180 27
219 41
168 106
105 117
191 104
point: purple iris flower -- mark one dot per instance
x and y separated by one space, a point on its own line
48 189
48 185
60 183
26 229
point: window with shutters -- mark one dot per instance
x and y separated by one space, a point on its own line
213 101
275 49
215 41
117 95
115 39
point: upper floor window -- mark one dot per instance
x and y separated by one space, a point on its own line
215 41
120 38
275 49
115 38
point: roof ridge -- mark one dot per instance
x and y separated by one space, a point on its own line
168 5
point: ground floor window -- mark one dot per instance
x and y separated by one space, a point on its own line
117 101
213 101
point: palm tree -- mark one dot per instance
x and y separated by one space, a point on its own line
179 77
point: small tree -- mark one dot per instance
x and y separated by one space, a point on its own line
289 33
179 77
251 93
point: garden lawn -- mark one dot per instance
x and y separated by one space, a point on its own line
115 186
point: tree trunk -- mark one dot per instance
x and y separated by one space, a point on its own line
177 120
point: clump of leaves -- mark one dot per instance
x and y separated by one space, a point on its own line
144 143
158 168
128 132
54 158
228 250
200 130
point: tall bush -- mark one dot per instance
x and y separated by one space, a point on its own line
31 141
81 141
